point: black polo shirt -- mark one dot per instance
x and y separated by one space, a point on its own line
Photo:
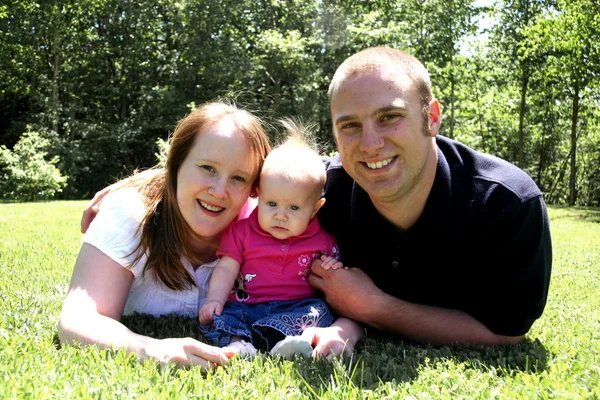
482 244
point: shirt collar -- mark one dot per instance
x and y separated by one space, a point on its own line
312 229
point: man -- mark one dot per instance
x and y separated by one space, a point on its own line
445 244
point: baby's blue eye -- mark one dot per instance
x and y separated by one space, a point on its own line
294 208
271 204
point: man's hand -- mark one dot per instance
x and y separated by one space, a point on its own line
137 180
347 291
92 208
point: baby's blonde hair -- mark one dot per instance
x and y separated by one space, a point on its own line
296 158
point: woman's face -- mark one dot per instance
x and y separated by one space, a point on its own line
215 179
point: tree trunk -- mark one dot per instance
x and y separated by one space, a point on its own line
522 108
572 193
56 45
452 79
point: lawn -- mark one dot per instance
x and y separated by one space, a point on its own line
38 244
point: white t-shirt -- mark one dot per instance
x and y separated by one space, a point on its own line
113 232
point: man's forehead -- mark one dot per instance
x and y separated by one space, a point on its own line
398 78
396 91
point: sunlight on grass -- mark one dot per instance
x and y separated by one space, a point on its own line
38 246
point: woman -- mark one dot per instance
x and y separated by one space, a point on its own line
152 246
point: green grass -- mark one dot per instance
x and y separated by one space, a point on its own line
38 246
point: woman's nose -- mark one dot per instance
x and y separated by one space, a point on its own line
218 190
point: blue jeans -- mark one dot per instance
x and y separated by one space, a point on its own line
265 324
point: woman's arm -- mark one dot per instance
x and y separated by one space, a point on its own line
94 304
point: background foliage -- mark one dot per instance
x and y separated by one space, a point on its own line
26 174
103 80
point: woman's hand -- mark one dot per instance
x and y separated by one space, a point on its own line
94 304
338 339
187 352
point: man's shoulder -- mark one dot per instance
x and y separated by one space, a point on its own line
336 175
480 172
338 195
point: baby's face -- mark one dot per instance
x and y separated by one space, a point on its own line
284 207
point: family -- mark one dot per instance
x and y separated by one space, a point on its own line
403 234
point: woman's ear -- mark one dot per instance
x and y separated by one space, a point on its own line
319 204
254 191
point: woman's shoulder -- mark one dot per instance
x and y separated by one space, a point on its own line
126 202
114 231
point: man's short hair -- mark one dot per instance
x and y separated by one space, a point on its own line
378 58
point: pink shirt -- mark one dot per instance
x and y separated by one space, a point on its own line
273 269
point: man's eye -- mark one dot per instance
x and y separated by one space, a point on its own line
271 204
294 208
390 117
350 125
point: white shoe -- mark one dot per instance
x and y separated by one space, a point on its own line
243 348
291 346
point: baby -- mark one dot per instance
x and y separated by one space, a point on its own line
259 289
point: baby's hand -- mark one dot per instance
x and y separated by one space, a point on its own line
328 262
208 309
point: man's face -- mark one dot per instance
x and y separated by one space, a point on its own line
381 135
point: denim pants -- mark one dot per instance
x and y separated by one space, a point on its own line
264 324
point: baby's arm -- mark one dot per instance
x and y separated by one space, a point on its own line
221 282
329 262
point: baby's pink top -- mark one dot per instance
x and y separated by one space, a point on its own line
273 269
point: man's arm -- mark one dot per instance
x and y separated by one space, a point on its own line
352 294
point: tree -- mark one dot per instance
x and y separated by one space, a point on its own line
26 174
570 40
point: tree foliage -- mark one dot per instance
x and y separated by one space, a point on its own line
106 81
26 173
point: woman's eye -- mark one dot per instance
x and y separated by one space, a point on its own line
208 168
271 204
238 178
294 208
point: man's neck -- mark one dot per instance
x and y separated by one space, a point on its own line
405 210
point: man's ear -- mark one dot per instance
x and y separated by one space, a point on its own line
435 116
319 204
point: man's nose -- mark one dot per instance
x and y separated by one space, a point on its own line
370 139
